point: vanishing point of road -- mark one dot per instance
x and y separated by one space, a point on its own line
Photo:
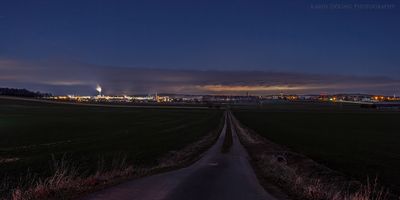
216 176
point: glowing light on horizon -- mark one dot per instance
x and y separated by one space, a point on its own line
98 88
230 88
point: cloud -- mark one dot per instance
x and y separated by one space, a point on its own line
79 78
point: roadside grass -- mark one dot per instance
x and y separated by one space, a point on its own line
359 143
299 176
50 145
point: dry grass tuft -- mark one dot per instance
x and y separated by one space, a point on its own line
66 179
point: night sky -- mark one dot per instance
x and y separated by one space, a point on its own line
198 47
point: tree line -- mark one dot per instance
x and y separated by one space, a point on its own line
22 93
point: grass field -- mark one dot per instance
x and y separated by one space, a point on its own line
32 133
357 142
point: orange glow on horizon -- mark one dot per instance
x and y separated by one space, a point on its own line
233 88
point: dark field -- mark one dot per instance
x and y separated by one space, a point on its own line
34 132
358 142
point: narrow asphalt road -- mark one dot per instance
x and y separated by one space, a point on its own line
216 176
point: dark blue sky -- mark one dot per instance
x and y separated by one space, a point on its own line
270 35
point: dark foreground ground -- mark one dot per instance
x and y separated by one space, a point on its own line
223 173
357 142
34 133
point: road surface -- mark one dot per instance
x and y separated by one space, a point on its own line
216 176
